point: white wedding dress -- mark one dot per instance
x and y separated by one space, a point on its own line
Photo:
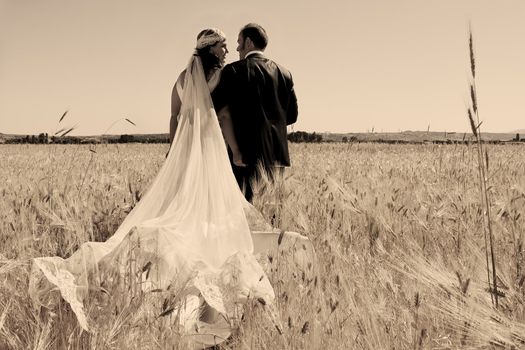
193 227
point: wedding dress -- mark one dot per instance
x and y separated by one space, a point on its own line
193 227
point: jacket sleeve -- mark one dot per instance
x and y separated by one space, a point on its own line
292 110
222 93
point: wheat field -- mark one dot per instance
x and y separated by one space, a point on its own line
397 230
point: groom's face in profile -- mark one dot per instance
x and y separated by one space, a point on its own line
241 48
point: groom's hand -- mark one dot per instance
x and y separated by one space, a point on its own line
237 160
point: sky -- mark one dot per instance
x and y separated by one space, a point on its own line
357 65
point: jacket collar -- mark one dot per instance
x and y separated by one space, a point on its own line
254 53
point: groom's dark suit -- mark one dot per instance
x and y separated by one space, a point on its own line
262 102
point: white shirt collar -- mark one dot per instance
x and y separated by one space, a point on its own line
253 53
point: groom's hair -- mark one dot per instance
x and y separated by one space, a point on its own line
257 35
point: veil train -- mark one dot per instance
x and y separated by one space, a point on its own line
192 232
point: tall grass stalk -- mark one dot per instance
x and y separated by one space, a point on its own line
483 162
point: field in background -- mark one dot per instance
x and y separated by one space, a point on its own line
397 230
299 136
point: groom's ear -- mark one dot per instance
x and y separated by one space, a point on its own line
248 43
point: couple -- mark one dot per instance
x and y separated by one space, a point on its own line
190 239
254 99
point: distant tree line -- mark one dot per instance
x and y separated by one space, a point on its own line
35 139
303 136
296 136
44 138
125 138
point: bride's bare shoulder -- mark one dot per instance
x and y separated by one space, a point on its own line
180 79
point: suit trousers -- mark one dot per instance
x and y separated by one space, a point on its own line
245 177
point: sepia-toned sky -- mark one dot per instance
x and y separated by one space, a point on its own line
357 64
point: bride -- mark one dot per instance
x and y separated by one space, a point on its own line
192 230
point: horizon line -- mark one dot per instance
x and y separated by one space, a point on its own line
310 132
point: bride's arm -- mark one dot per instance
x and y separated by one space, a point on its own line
175 106
226 124
175 109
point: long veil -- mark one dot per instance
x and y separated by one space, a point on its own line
190 225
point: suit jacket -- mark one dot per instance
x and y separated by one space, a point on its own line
262 102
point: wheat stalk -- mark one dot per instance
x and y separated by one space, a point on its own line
482 171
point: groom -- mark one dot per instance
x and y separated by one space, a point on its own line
256 95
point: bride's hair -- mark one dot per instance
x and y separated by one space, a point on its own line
209 60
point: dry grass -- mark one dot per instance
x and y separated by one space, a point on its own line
397 230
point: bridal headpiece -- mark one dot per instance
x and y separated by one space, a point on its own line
210 37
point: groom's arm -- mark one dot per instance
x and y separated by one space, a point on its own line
226 124
292 110
221 95
225 121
